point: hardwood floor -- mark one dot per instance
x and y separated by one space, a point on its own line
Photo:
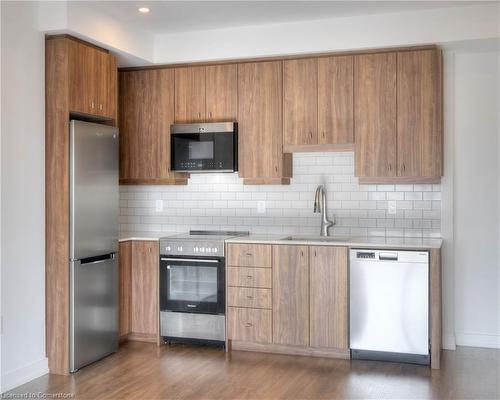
144 371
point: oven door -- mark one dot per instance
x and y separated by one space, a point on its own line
194 285
204 152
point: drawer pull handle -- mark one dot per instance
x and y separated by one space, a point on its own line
249 276
249 297
248 325
248 254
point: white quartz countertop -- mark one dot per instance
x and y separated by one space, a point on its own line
125 236
355 242
361 242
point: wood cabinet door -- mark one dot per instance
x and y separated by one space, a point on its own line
375 114
420 136
144 300
291 295
222 92
328 297
300 101
82 74
125 267
335 100
106 84
260 119
190 94
146 113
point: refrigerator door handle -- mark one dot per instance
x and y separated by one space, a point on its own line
97 259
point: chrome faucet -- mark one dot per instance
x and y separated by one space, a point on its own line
320 207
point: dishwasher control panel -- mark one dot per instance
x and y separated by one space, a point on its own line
390 255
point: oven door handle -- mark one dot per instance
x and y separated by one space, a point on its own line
198 260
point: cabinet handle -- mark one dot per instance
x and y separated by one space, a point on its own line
248 254
310 134
249 276
323 133
199 115
210 114
249 297
390 167
248 324
404 167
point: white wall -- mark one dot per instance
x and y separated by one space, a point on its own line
444 25
476 198
22 195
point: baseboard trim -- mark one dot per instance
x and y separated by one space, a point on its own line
142 337
290 350
478 340
449 342
22 375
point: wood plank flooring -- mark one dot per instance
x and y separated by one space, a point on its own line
145 371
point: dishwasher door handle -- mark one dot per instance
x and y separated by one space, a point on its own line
388 256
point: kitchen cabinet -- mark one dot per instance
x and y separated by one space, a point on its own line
335 101
318 104
300 101
125 271
190 94
222 92
375 114
328 298
419 122
261 158
144 310
291 295
146 113
92 80
398 116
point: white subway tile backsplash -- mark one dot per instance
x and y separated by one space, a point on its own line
221 201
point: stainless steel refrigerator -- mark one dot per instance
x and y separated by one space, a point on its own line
94 202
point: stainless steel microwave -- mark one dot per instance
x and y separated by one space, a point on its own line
204 147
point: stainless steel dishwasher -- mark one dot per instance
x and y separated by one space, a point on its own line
389 305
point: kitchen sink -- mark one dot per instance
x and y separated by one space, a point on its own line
313 238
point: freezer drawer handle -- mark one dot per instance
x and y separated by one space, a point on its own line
97 259
388 256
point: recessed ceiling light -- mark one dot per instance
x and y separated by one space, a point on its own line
144 10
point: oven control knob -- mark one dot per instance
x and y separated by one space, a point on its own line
168 248
216 250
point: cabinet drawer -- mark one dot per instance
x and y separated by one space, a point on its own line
249 255
249 277
249 297
249 325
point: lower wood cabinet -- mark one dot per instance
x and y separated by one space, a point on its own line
293 300
291 295
139 302
328 301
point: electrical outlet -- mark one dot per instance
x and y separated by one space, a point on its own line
261 207
159 205
391 207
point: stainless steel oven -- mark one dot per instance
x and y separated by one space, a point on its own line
192 275
194 284
206 147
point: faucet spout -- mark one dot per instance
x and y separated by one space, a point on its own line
320 207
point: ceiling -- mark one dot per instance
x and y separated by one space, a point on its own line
182 16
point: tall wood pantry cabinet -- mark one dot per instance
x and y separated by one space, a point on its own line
80 81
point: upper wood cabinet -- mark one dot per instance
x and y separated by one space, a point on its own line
190 94
206 93
300 101
419 123
222 93
375 114
328 297
398 116
335 100
261 158
291 295
146 113
93 80
318 104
